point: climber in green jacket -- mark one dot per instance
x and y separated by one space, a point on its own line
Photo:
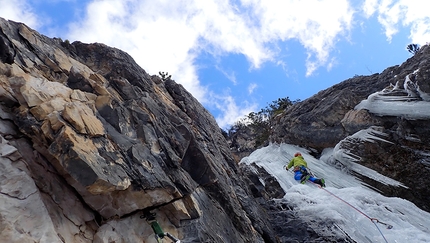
301 172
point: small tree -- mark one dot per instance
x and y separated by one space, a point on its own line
165 76
260 122
413 48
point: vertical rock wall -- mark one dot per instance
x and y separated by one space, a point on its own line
90 140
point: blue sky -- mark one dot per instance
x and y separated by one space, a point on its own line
238 56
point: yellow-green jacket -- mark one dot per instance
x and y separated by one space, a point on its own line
297 161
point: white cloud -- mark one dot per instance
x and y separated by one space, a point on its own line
313 23
230 75
231 111
19 11
169 35
252 87
369 7
395 14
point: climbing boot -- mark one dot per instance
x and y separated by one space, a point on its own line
321 182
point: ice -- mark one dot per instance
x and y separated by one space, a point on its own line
410 102
370 134
347 203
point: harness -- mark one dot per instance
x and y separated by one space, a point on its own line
302 169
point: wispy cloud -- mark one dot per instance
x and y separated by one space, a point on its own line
230 75
20 11
232 112
252 87
316 27
395 14
168 35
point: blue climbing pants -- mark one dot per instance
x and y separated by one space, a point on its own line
302 172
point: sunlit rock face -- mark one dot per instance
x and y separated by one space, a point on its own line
89 140
380 121
316 122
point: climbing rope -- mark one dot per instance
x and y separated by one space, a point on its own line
389 227
373 220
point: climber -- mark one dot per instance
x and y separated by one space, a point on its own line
158 232
301 172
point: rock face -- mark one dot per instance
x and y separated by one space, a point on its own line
89 140
380 121
316 122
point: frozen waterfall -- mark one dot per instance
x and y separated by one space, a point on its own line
351 216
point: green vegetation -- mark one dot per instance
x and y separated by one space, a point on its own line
165 76
259 123
413 48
